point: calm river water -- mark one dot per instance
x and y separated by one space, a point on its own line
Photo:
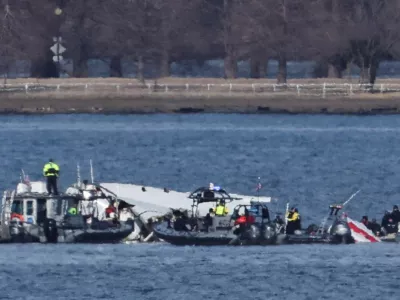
310 161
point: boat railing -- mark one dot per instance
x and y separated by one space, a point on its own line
6 207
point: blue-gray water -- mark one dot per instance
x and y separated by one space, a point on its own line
310 161
165 272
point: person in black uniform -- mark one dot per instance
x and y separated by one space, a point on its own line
396 214
375 227
385 219
208 219
265 213
388 223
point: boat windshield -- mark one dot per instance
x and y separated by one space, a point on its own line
17 207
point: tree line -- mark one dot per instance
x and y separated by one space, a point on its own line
158 32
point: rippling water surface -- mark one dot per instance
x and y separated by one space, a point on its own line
166 272
310 161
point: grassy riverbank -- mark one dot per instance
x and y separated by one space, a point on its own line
169 95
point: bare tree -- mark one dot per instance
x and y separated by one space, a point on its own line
335 42
374 36
80 28
42 27
8 34
276 29
326 28
179 23
229 39
134 26
20 35
159 32
227 33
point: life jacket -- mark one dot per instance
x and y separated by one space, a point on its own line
293 217
245 220
220 210
51 169
241 220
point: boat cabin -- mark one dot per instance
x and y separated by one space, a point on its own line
212 194
258 210
35 209
94 201
30 204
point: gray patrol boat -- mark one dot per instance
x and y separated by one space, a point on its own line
30 215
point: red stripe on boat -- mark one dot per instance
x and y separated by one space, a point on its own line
369 237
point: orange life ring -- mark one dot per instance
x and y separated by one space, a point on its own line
17 216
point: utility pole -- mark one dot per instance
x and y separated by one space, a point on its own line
57 48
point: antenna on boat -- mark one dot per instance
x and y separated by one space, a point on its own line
334 210
286 216
22 175
91 171
78 173
258 189
351 197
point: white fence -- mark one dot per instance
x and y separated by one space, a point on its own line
318 89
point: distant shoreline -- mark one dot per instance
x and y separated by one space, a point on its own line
383 108
196 95
361 113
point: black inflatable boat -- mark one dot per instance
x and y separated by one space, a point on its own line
224 230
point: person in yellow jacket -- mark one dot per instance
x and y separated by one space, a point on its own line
221 209
51 171
293 221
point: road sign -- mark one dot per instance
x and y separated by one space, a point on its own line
57 58
57 49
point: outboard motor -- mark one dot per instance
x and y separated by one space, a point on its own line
341 233
251 233
50 230
269 231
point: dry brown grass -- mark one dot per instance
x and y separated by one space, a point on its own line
102 95
52 102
